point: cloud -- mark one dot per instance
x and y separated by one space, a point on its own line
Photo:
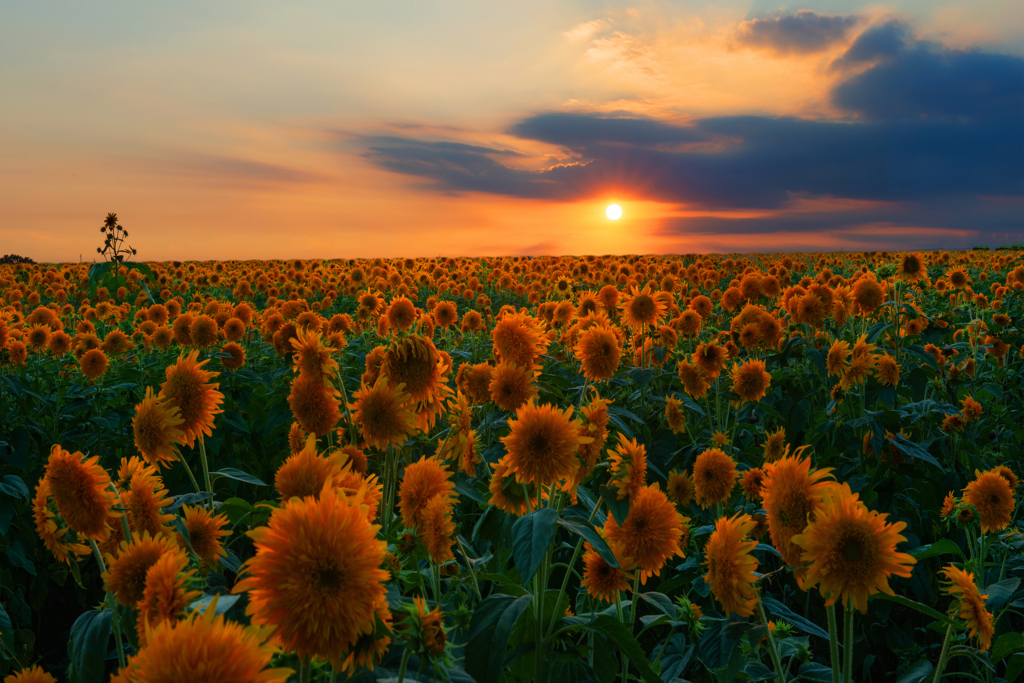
628 57
584 30
804 32
935 133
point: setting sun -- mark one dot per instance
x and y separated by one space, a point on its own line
614 212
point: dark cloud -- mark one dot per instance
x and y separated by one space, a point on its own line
928 127
801 33
884 40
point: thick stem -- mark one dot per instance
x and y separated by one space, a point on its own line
942 656
405 663
112 604
848 643
472 571
773 651
191 476
833 641
206 468
305 671
568 570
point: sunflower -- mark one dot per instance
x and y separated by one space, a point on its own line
642 308
791 495
991 494
958 277
166 594
475 382
203 648
911 268
37 338
596 416
512 386
205 531
188 388
971 409
542 444
401 313
750 380
157 435
126 573
82 491
32 674
674 415
714 475
414 362
422 481
445 314
599 353
203 331
423 630
650 534
710 358
752 483
851 550
838 358
383 414
888 370
971 604
58 344
731 565
679 488
775 445
314 404
235 356
518 339
949 505
371 647
353 455
54 538
144 500
689 323
1007 474
436 529
508 494
93 363
628 468
304 473
602 581
316 575
693 380
312 357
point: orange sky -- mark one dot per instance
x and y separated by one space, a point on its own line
241 131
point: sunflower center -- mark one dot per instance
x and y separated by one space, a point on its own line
642 308
853 550
328 578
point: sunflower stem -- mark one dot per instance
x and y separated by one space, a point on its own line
115 622
833 641
942 657
622 620
405 663
206 470
305 671
472 571
191 476
124 518
773 651
568 570
848 643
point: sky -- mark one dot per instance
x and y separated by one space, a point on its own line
249 129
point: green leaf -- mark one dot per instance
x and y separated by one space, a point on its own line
916 673
224 603
1014 667
187 499
618 508
786 614
944 546
913 450
14 486
758 671
97 272
235 421
615 631
235 509
812 671
87 648
923 609
583 529
1000 593
531 537
237 475
1007 644
489 633
16 554
717 644
6 634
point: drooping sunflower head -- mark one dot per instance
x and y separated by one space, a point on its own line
792 495
731 564
709 358
157 430
82 491
422 481
674 415
599 353
312 357
383 413
775 445
628 467
991 495
415 363
314 404
518 338
126 573
679 488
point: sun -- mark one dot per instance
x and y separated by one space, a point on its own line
614 212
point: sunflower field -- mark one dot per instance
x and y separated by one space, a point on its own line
774 467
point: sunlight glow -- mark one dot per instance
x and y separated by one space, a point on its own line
614 212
